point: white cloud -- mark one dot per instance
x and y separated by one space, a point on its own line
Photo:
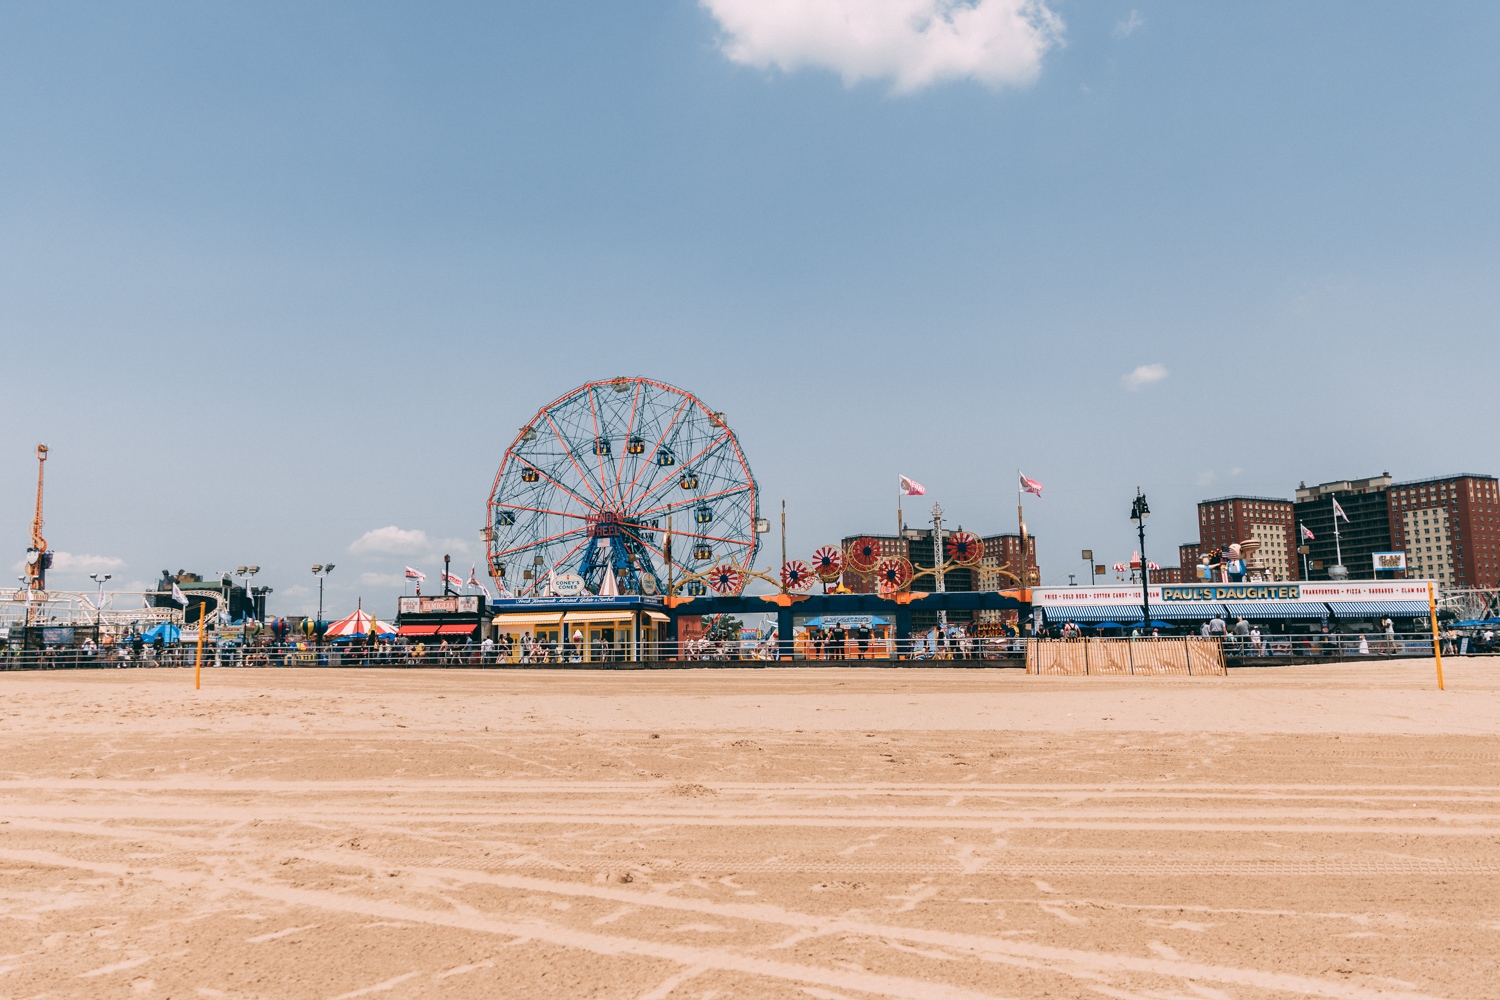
392 540
81 563
382 579
914 43
1127 26
1144 375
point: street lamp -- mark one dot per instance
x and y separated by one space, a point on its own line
321 572
1139 511
245 573
99 611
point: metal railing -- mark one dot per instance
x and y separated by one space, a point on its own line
955 651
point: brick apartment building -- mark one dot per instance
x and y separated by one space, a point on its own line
1449 528
1224 521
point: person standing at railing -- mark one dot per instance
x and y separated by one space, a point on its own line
862 638
838 636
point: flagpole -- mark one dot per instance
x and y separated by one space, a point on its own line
1338 552
1025 573
1302 544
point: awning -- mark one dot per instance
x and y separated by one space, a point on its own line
1186 610
1090 612
526 621
456 629
1276 610
1379 609
417 630
583 617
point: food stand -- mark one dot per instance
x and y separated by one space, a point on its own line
582 629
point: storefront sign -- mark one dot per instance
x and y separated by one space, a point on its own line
1389 561
568 585
1315 592
1232 592
452 605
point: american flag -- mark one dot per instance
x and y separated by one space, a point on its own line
1030 485
1307 535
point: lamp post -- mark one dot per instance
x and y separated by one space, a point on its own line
245 573
1088 557
1139 511
99 611
321 572
937 557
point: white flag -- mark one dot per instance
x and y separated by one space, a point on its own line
474 581
178 596
1339 511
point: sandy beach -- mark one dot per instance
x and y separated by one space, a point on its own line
1289 832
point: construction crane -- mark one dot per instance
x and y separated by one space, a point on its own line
38 559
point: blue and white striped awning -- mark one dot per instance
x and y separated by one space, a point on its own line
1379 609
1276 610
1186 610
1095 613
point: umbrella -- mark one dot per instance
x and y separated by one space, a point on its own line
359 623
1108 625
1153 625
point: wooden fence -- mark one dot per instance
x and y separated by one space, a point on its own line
1186 655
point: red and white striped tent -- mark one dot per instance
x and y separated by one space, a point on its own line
359 623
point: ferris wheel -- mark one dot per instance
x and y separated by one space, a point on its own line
587 488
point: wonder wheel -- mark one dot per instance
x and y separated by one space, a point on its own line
586 490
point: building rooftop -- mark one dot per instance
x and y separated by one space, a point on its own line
1443 479
1245 496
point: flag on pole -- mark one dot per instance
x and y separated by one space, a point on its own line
412 574
474 581
911 487
179 596
1307 535
1030 485
1339 511
452 580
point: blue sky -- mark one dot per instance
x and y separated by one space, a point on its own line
274 276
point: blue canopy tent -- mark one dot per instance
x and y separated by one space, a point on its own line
1154 624
167 631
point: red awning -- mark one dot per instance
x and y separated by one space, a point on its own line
456 629
417 630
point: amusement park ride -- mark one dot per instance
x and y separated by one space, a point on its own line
38 559
632 486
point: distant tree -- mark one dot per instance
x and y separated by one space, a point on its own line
722 628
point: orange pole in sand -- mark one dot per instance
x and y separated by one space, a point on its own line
1437 648
198 665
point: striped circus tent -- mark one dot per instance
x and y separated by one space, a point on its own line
359 623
